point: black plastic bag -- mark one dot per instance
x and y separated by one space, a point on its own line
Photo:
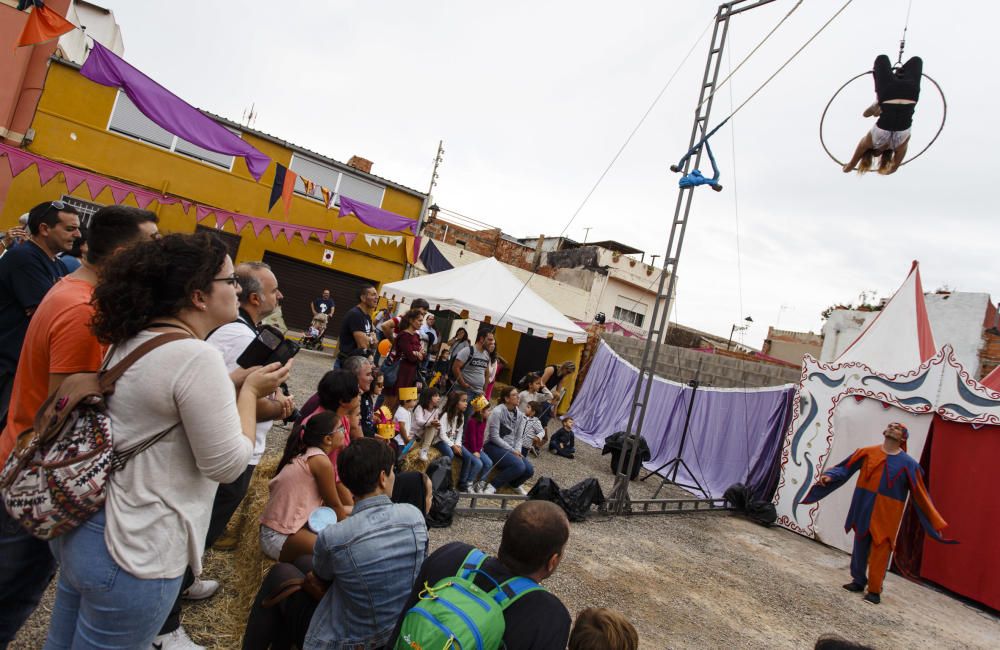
439 471
614 444
740 498
444 498
575 501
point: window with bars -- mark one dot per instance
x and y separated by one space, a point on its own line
85 208
334 180
630 316
128 120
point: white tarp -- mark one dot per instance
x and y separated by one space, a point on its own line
486 288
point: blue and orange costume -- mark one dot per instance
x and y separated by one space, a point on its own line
877 507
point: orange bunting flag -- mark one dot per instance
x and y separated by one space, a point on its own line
327 197
310 187
43 25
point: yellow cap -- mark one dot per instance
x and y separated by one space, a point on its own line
386 430
479 403
408 393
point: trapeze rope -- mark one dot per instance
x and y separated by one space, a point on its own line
708 135
902 41
733 71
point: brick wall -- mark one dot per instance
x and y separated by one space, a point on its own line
989 355
480 242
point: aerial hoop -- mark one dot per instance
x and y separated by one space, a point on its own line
822 120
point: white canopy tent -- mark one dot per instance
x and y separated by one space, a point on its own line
485 289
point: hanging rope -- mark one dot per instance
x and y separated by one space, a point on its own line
746 101
902 41
733 71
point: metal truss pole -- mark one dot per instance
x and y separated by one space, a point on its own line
619 497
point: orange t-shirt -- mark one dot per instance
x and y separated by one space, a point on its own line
58 341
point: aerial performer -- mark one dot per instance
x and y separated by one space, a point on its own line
896 91
888 475
696 178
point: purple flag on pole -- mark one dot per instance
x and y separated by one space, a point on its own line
376 217
168 110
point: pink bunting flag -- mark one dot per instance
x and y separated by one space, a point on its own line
304 234
221 218
349 238
275 229
95 185
239 221
186 205
144 198
73 179
18 162
119 193
46 170
202 211
332 236
258 225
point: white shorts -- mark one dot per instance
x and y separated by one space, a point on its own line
271 541
882 139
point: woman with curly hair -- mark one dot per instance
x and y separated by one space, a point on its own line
122 570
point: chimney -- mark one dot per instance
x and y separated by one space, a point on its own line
538 252
361 164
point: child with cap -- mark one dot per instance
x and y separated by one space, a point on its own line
473 442
404 413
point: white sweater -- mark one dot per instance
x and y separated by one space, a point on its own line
158 507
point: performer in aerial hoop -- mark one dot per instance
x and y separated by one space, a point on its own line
887 475
897 92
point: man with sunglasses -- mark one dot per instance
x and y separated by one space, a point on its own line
887 476
27 272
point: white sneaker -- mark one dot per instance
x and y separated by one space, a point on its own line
176 640
201 589
423 454
520 489
489 489
475 488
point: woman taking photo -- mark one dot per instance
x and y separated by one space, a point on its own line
122 569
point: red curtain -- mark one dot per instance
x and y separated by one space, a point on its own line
963 485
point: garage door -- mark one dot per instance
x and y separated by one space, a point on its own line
301 283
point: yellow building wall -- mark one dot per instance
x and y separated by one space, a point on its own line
71 127
559 351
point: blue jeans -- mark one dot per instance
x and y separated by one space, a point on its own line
513 471
99 604
471 467
481 470
445 450
26 568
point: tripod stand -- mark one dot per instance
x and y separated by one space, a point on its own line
670 476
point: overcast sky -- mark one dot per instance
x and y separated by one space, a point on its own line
533 100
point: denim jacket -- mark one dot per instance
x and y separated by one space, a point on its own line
372 559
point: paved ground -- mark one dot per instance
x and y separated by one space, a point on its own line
709 580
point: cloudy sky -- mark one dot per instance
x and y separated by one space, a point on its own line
534 99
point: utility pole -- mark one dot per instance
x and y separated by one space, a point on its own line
428 201
619 501
586 233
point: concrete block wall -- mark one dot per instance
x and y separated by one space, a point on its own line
681 364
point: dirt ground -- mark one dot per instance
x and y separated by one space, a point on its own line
701 580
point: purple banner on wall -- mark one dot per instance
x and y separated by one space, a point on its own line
376 217
168 110
734 435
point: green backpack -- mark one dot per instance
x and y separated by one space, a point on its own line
456 614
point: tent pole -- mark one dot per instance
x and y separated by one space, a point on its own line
619 502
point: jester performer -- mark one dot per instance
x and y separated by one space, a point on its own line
887 476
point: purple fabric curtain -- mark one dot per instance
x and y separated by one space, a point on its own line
168 110
734 435
376 217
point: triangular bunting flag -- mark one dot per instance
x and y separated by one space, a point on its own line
349 238
412 248
163 199
95 186
277 185
73 179
119 194
275 229
371 239
221 218
43 25
239 221
304 234
288 189
144 198
258 225
327 197
202 211
309 186
332 236
18 162
186 205
395 239
46 170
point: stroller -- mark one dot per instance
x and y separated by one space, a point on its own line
312 339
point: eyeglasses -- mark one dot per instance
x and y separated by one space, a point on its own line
232 280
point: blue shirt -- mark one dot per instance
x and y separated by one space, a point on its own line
372 559
26 275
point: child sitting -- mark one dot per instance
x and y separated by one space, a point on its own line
426 423
472 442
304 480
536 392
563 442
597 628
534 432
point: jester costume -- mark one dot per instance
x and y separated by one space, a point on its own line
877 507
